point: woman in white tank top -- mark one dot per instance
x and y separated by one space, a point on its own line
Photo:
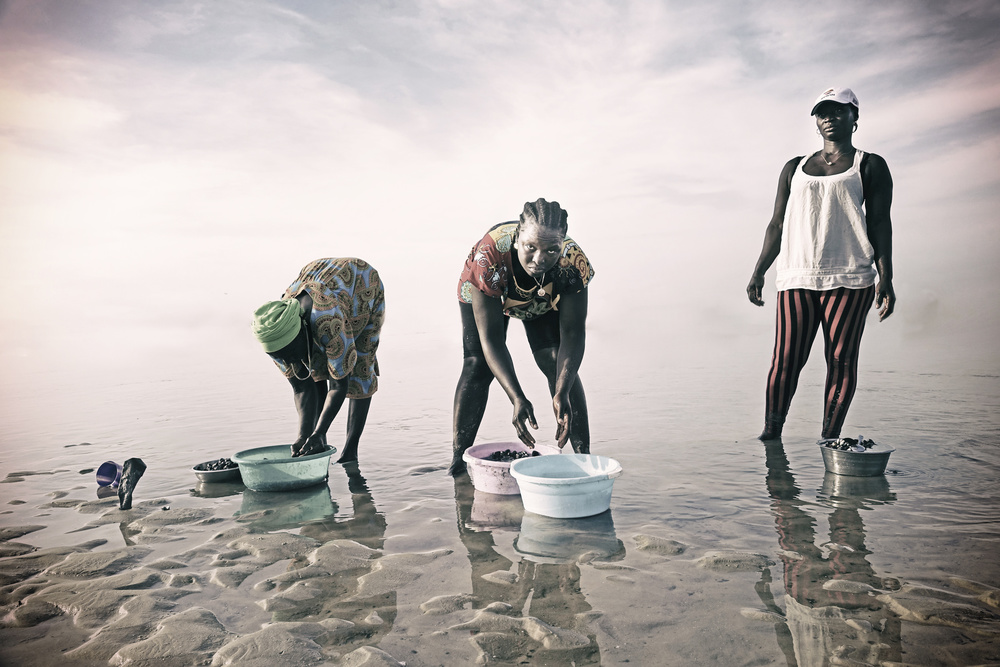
831 235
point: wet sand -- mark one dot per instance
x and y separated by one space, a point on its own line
717 550
186 581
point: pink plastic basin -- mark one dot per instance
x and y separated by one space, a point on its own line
494 476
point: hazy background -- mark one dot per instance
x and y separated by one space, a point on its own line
167 166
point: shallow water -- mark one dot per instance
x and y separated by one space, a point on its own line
717 549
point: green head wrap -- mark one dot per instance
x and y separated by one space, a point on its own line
277 323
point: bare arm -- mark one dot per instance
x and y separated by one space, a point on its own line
878 200
308 397
772 235
489 321
318 404
572 343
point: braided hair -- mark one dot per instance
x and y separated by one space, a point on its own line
545 214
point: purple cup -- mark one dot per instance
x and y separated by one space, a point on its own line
109 473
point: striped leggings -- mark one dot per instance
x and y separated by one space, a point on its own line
842 313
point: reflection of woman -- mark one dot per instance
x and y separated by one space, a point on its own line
323 335
532 271
366 526
831 235
341 596
821 621
550 592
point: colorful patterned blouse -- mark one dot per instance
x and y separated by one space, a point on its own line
347 314
489 269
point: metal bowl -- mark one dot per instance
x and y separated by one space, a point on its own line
869 463
215 476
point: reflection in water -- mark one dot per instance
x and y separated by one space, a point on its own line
337 588
547 586
217 489
492 512
366 525
546 540
829 613
839 490
284 510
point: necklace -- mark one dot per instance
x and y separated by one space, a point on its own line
828 163
541 290
527 292
308 357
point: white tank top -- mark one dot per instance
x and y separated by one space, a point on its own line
824 242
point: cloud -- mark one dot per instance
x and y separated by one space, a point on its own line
156 134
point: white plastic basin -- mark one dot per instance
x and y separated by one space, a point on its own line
274 469
567 486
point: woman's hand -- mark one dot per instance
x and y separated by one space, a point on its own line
524 414
885 299
564 418
314 444
755 290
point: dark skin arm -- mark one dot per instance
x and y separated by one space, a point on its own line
573 339
772 236
317 404
489 321
878 200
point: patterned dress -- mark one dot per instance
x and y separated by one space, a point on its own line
347 314
489 269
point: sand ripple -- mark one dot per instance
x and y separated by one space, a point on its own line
499 636
14 532
392 572
761 615
734 560
445 604
190 637
277 644
931 606
20 568
97 563
659 545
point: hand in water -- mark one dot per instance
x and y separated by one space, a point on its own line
314 444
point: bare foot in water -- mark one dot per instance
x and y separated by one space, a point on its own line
457 467
769 435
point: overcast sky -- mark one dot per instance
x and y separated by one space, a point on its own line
165 166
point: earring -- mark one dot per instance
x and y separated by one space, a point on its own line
855 126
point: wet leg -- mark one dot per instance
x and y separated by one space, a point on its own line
844 314
795 330
579 432
357 415
471 394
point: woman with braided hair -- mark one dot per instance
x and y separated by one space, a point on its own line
532 271
829 251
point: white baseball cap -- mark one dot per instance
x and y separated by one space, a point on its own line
839 95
